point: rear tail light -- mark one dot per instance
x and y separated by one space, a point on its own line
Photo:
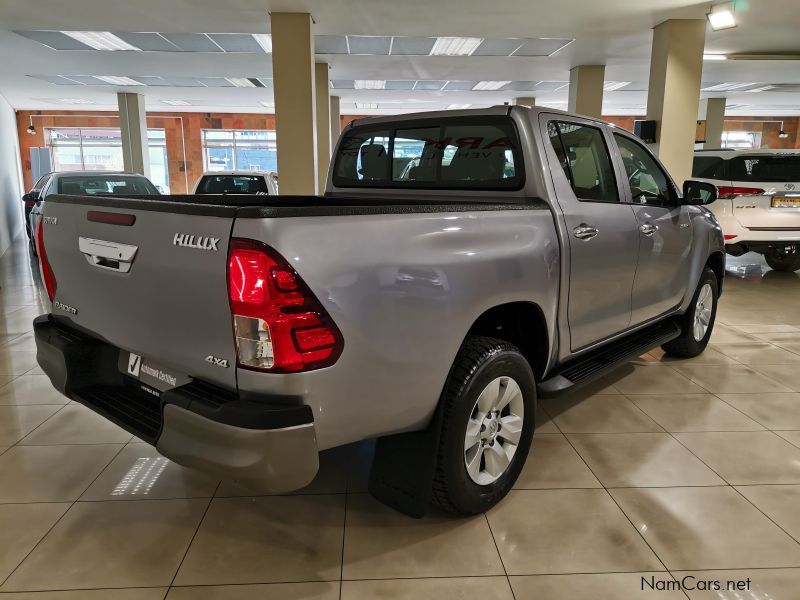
725 192
44 265
729 237
279 325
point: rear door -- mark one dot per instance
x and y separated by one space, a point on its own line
664 229
603 237
149 277
777 177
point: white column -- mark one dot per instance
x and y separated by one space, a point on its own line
336 121
133 129
295 110
712 111
525 101
676 66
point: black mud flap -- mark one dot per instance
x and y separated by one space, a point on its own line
404 467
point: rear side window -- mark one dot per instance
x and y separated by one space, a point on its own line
775 168
582 152
480 153
709 167
232 184
82 185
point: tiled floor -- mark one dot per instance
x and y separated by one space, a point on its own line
666 469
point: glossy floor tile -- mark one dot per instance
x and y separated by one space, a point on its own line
625 476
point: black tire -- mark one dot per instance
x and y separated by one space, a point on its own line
480 361
783 261
687 345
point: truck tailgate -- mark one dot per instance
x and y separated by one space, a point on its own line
156 287
780 211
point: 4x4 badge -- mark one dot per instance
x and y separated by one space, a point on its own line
217 362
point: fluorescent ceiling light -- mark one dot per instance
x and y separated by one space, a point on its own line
115 80
366 105
100 40
177 102
458 106
264 40
490 85
764 88
611 86
75 101
725 87
242 82
721 17
455 46
714 57
370 84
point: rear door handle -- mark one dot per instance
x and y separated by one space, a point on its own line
585 232
648 229
108 255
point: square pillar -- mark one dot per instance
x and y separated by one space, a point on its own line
673 95
295 110
323 86
525 101
586 90
133 129
336 121
712 111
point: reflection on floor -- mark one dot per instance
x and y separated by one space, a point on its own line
664 469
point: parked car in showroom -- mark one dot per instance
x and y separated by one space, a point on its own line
31 198
242 335
758 205
83 183
237 182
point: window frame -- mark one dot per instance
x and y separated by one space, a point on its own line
506 122
674 199
611 161
234 144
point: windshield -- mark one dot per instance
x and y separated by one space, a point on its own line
83 185
232 184
772 168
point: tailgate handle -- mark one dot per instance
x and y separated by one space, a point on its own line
108 255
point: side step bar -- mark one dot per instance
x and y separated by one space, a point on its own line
581 370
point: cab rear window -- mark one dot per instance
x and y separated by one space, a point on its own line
232 184
456 153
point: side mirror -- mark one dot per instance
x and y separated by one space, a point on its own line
698 193
31 197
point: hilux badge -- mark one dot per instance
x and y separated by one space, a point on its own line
200 242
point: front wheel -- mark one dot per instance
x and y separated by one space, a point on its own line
783 260
487 426
698 321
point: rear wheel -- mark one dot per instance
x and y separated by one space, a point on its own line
487 426
698 321
783 259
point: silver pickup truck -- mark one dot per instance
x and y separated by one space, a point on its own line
460 265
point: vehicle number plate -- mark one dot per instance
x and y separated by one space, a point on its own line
786 202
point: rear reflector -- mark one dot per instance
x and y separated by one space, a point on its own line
46 271
279 325
110 218
725 192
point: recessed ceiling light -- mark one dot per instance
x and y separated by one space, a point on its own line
75 101
714 57
458 106
490 85
370 84
242 82
611 86
763 88
115 80
366 105
725 87
264 40
455 46
100 40
177 102
721 17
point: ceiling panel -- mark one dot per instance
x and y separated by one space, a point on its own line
362 44
236 42
153 81
550 86
87 80
330 44
214 82
343 84
56 79
459 86
430 84
541 47
54 39
399 84
412 46
497 47
192 42
151 42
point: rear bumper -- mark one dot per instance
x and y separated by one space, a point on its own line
268 444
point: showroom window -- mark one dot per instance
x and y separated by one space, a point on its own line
239 150
100 149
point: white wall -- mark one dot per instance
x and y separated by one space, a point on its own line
10 177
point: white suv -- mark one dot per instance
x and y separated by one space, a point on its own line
758 205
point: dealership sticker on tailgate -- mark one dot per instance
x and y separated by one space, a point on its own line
149 373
